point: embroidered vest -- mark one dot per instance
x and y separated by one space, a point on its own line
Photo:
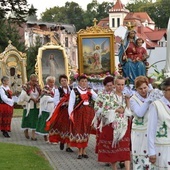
78 98
61 91
139 123
163 124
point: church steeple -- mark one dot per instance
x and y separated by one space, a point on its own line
117 14
118 7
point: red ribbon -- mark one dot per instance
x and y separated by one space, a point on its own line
50 123
84 97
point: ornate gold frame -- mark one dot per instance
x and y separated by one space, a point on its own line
38 65
11 51
95 32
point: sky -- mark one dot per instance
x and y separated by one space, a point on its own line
42 5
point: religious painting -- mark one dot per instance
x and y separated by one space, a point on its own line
96 51
96 55
52 61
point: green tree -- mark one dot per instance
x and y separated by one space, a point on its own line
33 16
10 31
19 9
159 11
72 13
55 14
31 57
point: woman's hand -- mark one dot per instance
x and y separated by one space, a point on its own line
124 57
120 110
127 101
152 159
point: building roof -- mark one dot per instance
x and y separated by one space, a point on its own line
141 16
69 28
156 35
104 22
118 7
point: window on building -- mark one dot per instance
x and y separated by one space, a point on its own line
118 22
66 41
161 43
113 22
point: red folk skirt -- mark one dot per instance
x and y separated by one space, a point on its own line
60 130
6 113
107 153
80 128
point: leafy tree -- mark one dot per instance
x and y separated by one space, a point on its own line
31 57
158 11
18 8
10 31
55 14
72 13
33 16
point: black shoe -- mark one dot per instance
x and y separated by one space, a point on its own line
34 139
85 156
79 157
107 164
5 134
121 164
69 150
61 146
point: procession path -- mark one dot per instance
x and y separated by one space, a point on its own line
60 160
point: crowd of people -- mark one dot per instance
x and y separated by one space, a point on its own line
130 128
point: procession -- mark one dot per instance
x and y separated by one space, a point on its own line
102 94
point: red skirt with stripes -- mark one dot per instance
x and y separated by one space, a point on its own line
60 130
6 113
107 153
80 127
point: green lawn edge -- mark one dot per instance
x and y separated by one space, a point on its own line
20 157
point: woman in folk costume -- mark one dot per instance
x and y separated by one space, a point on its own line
29 98
139 104
158 130
81 113
59 123
113 135
6 107
46 106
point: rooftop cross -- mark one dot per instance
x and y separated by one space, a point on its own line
95 21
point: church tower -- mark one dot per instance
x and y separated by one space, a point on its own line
117 14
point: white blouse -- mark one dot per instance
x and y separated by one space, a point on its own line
4 97
73 97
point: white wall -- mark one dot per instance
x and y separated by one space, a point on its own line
157 55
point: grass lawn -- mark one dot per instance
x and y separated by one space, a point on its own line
18 157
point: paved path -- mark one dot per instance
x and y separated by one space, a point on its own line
60 160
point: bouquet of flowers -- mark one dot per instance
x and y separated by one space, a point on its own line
155 94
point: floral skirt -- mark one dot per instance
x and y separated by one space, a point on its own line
6 113
162 158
